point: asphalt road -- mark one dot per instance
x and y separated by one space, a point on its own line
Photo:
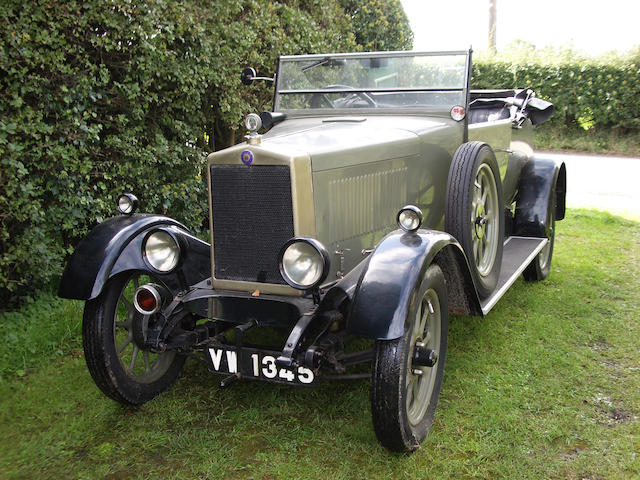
602 182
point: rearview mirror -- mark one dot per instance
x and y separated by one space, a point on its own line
249 74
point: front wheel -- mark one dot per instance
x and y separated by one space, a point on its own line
121 368
407 372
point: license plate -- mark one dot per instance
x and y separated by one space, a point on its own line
259 364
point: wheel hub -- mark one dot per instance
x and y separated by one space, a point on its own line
480 222
423 356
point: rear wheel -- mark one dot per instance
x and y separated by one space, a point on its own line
407 372
474 212
120 367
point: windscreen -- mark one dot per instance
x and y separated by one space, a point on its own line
399 80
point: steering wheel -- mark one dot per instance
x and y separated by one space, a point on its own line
363 95
317 98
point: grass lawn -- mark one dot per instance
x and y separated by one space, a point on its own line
546 386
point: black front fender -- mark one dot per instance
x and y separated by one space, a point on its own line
115 246
388 279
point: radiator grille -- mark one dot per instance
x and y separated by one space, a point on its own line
252 218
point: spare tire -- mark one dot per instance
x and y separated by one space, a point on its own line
474 212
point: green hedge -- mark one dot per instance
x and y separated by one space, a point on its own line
379 24
588 93
105 96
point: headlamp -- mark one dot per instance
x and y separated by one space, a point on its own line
253 122
127 204
304 263
409 218
161 251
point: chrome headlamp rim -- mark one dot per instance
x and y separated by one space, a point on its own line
320 250
413 211
177 251
127 204
253 122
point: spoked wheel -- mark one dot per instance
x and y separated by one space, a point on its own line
407 372
474 213
540 266
116 359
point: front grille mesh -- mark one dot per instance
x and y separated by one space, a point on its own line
252 218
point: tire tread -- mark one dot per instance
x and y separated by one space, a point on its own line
388 407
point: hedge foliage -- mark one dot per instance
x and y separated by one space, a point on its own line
379 24
105 96
592 93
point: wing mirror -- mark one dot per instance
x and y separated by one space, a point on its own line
249 74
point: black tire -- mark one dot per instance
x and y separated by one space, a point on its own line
106 328
403 404
540 266
476 218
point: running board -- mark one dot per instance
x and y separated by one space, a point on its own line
517 254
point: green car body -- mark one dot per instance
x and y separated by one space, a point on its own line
381 195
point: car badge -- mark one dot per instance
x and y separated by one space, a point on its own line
247 157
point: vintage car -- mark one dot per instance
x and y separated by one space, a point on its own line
384 196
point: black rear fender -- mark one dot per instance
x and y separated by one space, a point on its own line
543 180
115 246
380 290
